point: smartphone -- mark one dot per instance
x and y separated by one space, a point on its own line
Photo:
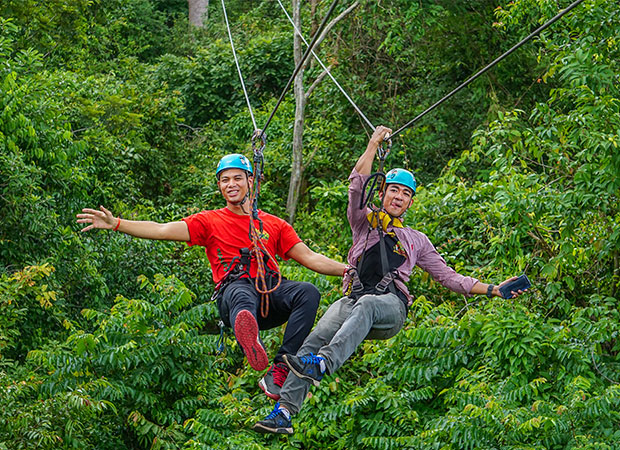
522 283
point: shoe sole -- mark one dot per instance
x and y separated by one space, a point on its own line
280 430
246 332
299 374
263 386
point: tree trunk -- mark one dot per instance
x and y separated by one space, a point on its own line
298 128
301 97
198 12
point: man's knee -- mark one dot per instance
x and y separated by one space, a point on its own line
366 304
309 295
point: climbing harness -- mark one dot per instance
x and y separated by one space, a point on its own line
356 287
239 266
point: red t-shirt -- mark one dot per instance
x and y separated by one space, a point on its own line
223 233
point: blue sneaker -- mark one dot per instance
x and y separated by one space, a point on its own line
278 421
309 367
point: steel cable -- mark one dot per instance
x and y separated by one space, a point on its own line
357 109
232 45
489 66
300 65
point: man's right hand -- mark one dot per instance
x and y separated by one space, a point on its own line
364 163
381 133
101 218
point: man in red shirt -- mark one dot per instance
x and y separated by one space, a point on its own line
225 235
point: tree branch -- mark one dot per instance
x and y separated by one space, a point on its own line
309 159
331 25
317 81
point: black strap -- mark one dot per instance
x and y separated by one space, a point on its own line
385 266
239 265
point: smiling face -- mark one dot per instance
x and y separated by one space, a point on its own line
234 185
397 199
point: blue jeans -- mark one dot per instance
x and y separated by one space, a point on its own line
294 302
340 331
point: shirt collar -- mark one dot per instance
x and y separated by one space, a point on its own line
385 219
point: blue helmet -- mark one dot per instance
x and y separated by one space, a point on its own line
401 176
234 161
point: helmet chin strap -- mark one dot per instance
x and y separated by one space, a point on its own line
240 202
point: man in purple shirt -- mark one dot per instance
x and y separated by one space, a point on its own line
383 254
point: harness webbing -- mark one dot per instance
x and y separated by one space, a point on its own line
387 280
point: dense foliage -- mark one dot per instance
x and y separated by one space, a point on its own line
110 342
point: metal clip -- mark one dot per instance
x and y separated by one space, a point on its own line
263 137
221 344
383 151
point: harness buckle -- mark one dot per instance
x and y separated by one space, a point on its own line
385 282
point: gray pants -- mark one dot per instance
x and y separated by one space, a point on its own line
340 331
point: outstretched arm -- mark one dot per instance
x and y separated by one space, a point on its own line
364 164
481 288
103 219
315 261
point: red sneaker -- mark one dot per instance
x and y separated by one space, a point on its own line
246 332
273 380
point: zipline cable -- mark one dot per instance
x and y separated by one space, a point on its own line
301 63
359 111
489 66
232 45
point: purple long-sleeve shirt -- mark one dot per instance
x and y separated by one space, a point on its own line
420 251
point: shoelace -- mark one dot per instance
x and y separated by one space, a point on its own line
311 359
275 412
279 372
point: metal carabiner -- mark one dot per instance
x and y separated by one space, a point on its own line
258 133
383 152
370 188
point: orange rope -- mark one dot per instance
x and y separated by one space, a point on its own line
259 249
